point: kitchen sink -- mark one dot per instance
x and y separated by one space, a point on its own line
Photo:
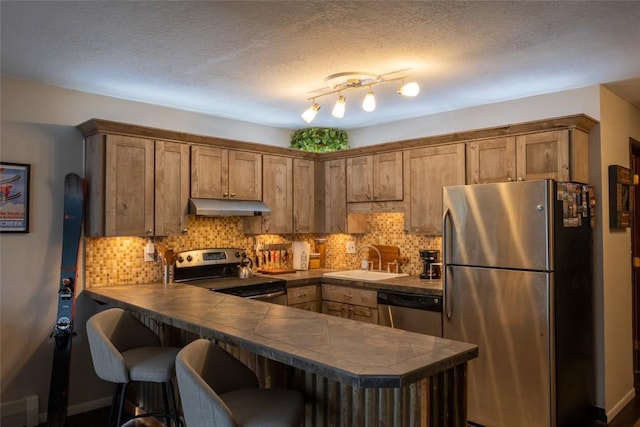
364 275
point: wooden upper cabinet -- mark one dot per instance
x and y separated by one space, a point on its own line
360 179
245 175
562 155
171 188
278 194
543 155
426 171
218 173
335 196
129 186
304 203
376 177
209 172
137 186
491 160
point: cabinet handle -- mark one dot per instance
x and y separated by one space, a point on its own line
233 194
302 295
520 178
348 296
184 231
226 194
150 231
509 179
368 196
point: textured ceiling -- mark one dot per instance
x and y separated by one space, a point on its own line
259 61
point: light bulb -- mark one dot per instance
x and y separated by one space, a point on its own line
338 109
310 113
409 89
369 103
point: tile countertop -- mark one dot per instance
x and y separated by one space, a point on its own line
315 342
411 284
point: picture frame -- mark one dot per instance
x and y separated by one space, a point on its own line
620 197
14 197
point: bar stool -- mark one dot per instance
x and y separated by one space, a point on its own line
124 350
216 389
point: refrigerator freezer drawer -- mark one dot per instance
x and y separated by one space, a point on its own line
506 313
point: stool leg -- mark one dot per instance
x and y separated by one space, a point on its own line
167 407
123 393
114 402
172 397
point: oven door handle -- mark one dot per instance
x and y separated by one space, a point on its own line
265 296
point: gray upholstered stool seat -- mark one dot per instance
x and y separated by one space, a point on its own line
123 350
218 390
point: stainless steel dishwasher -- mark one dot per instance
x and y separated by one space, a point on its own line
410 312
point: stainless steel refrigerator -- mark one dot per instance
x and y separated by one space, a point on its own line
518 282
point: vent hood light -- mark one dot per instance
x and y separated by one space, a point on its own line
212 207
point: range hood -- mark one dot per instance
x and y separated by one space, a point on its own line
213 207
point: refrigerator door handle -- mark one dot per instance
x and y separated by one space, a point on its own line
447 305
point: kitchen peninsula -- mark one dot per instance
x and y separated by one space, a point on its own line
353 373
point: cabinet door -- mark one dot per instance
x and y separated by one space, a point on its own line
491 160
278 194
304 218
335 197
360 179
337 309
245 175
365 314
209 172
387 176
374 178
129 187
171 188
304 297
543 155
427 170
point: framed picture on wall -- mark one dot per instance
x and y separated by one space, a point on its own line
14 197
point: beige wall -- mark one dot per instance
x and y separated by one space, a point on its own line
38 128
619 122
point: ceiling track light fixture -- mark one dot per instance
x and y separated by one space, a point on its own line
310 113
340 82
338 109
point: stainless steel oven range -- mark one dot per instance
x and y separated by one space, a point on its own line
217 269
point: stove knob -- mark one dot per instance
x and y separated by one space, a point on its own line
180 259
238 254
189 258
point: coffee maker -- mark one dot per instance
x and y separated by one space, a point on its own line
430 264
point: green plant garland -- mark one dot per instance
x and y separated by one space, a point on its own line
320 140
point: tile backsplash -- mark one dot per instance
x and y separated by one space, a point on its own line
112 261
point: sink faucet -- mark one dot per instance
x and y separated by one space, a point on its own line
377 251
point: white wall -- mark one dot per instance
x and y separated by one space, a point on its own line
38 128
619 122
577 101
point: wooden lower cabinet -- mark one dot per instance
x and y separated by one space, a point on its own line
350 303
304 297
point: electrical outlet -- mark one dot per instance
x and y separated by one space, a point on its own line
351 247
149 252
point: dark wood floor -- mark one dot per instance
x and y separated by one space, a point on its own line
628 417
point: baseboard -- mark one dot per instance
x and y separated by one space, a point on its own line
82 407
615 410
21 412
